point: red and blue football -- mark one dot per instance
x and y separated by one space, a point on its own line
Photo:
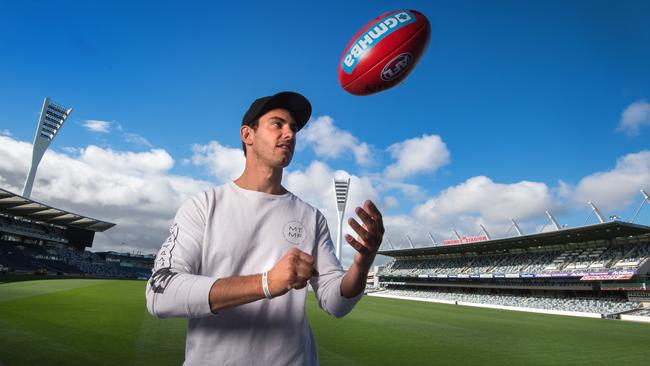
384 52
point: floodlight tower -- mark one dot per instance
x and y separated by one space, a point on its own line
408 238
341 189
484 231
435 244
514 224
456 233
646 198
553 220
50 122
390 244
595 210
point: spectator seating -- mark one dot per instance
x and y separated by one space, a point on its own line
590 259
60 259
483 296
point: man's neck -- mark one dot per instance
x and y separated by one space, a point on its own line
262 179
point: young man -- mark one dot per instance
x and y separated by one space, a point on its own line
240 256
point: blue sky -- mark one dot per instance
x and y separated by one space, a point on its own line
516 91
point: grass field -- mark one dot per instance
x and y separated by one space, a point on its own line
105 322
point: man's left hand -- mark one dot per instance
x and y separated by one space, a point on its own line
370 234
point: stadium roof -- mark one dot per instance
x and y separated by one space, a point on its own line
607 230
15 205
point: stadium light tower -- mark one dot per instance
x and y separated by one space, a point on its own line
595 210
390 244
435 244
514 224
50 122
456 233
484 231
341 189
408 238
553 220
646 198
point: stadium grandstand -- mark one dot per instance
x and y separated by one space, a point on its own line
600 269
39 239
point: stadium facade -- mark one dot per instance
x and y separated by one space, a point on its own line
36 238
601 268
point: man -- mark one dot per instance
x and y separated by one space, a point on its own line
240 256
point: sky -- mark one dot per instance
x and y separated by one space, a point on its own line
514 108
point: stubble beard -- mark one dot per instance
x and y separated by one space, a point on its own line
272 161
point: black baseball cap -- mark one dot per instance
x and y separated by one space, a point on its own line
295 103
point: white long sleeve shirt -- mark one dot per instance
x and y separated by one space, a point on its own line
229 231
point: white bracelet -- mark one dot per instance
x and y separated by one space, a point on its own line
265 285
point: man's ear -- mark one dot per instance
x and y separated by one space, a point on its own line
247 135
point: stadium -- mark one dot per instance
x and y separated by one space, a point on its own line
598 270
68 305
460 301
39 239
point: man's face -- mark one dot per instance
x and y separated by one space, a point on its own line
275 138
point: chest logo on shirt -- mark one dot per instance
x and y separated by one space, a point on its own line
294 232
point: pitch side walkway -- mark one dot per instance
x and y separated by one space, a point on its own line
490 306
643 319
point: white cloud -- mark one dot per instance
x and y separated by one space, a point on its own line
390 201
5 132
134 190
634 117
223 162
398 226
315 185
155 161
328 141
616 188
97 126
136 139
417 155
564 189
412 191
71 150
481 195
479 200
132 138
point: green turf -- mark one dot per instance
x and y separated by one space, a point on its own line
104 322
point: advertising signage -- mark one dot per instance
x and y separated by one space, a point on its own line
465 240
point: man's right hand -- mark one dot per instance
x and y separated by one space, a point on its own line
292 271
